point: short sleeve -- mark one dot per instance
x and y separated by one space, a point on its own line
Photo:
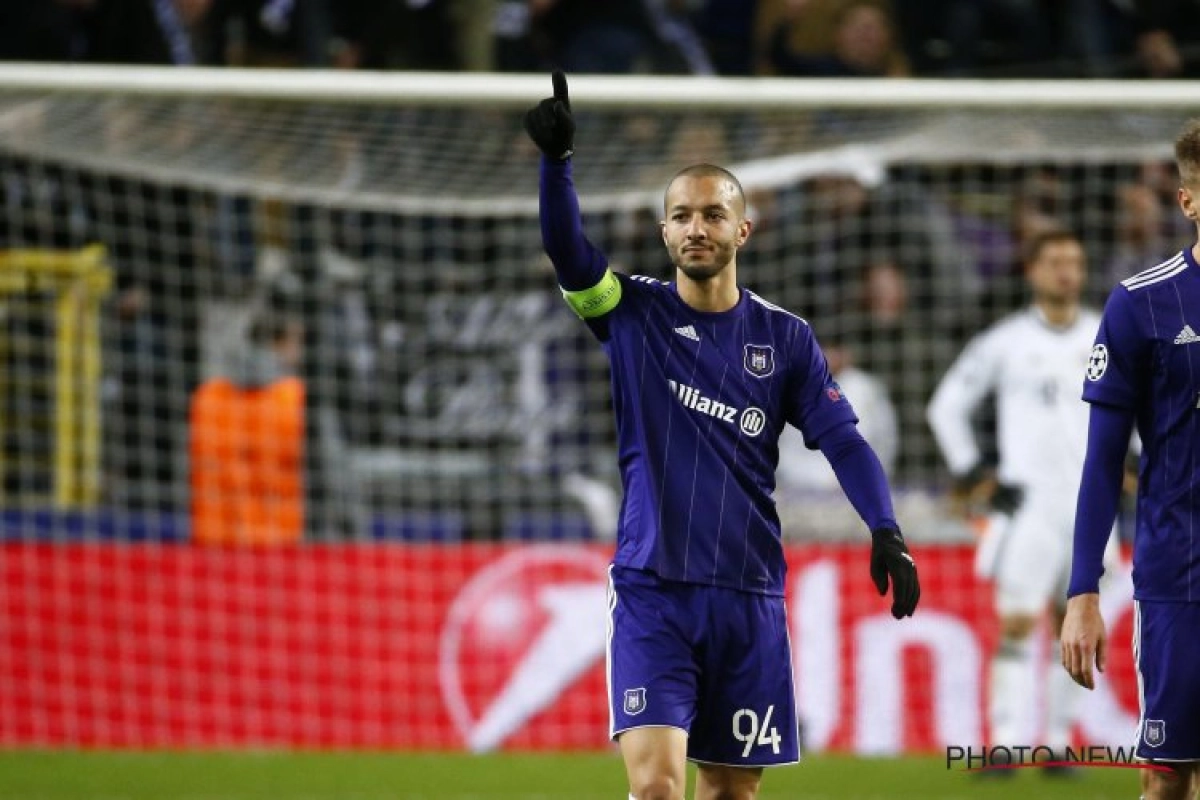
815 403
1120 357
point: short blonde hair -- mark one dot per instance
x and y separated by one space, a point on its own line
1187 154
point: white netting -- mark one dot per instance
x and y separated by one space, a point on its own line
442 373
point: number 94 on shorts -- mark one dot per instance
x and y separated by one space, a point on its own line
713 661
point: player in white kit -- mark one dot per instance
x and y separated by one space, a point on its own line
1029 363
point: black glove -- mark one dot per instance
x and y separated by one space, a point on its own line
890 558
1007 498
550 123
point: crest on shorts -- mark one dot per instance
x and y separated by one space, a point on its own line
635 701
759 360
1155 732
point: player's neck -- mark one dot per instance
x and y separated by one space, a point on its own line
719 293
1060 315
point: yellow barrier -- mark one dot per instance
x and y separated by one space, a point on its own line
78 281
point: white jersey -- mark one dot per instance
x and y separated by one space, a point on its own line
1035 371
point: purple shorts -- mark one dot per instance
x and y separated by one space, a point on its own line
711 661
1167 654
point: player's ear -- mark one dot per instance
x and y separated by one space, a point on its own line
662 228
1187 203
744 228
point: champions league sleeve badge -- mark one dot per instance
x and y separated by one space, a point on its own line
759 360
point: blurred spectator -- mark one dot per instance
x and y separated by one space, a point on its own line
1041 201
1168 41
151 31
585 36
1014 38
140 444
417 34
655 36
272 33
515 50
964 37
1096 37
1140 238
473 33
828 38
804 469
858 216
47 30
247 443
863 45
678 48
900 344
727 29
150 231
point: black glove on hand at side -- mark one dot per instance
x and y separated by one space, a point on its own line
550 123
890 559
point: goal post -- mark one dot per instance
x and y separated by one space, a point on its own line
457 417
62 290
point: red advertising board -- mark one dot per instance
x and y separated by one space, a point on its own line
455 647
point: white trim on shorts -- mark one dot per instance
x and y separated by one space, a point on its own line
615 734
1137 668
611 602
744 766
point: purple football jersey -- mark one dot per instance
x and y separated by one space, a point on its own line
700 400
1147 359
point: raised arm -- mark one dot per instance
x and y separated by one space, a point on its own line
582 270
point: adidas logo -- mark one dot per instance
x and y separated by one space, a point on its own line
689 332
1187 336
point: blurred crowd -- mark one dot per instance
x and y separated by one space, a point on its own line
434 341
436 348
845 38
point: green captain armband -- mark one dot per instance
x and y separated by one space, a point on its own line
598 300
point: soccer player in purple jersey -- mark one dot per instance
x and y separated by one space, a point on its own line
1145 369
704 376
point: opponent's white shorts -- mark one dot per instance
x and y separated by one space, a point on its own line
1028 555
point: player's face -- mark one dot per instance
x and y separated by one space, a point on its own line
1058 272
704 226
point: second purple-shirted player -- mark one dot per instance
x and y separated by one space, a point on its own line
1145 369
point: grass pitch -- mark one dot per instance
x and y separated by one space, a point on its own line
37 775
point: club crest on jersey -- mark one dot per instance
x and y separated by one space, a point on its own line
759 360
1155 733
635 701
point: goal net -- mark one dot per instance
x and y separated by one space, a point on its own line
378 234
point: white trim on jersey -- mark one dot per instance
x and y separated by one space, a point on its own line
1167 269
772 307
